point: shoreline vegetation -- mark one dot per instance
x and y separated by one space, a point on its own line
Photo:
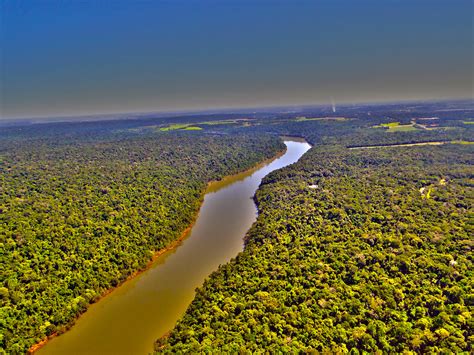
155 256
210 187
101 206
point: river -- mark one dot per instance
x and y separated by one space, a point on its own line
133 316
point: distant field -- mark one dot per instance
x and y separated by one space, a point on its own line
397 127
183 127
189 127
195 126
223 122
462 142
402 128
300 119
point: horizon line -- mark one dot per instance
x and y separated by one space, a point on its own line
216 110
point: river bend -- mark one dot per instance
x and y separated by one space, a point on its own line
133 316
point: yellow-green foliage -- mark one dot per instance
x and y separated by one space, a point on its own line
402 128
185 127
397 127
391 124
189 127
462 142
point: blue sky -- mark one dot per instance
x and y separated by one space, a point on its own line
79 57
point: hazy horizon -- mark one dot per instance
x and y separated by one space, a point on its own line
100 116
108 57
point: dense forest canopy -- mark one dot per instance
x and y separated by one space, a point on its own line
349 252
77 219
367 249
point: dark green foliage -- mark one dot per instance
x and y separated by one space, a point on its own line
78 218
363 262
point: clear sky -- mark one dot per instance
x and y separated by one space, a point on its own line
66 57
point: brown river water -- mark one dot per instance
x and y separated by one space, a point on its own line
141 310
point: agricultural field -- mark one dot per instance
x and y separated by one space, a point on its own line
180 127
397 127
302 119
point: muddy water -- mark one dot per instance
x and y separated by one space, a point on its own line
132 317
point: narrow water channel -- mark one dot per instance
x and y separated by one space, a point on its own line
132 317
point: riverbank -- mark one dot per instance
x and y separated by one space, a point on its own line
130 319
155 256
211 186
215 185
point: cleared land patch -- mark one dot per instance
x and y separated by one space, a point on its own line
225 122
301 119
397 127
184 127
